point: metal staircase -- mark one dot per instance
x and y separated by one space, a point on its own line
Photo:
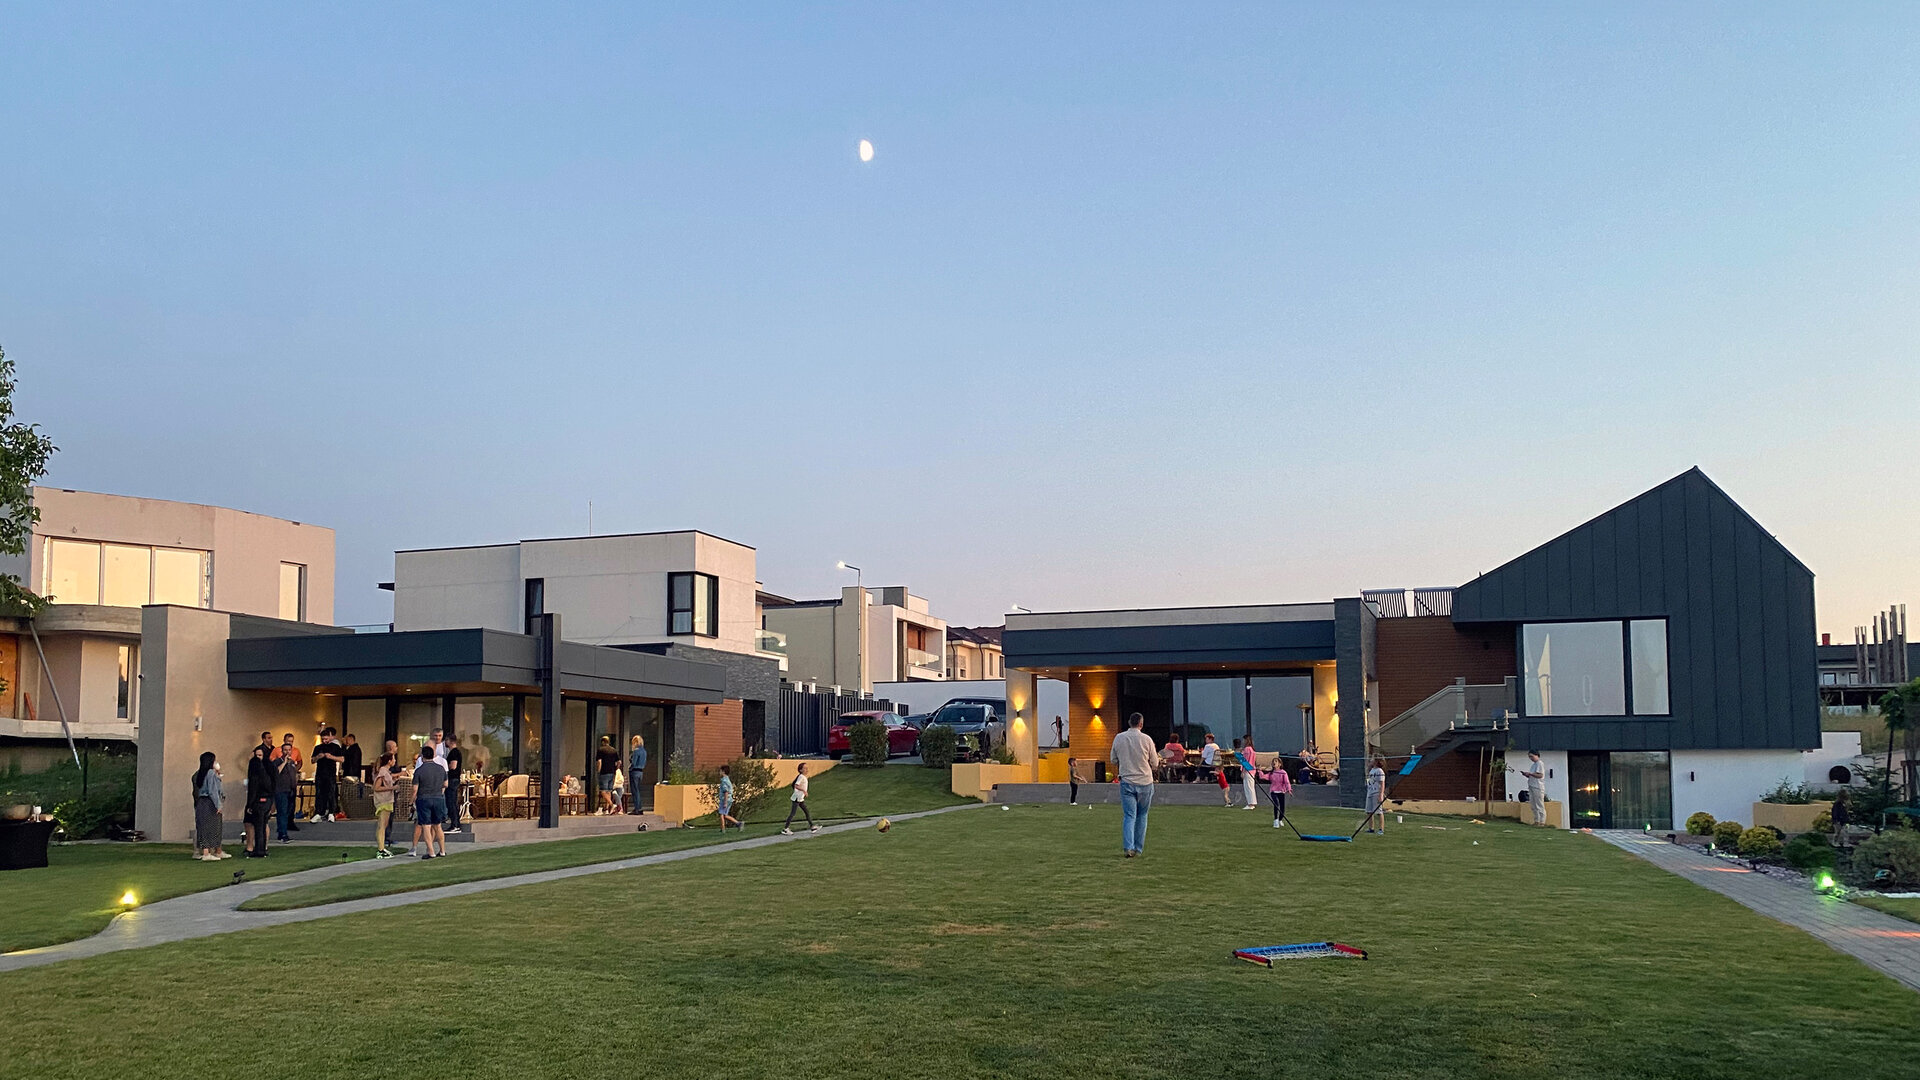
1451 718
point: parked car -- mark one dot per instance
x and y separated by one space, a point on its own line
976 723
903 738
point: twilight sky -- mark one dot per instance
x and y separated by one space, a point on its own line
1133 306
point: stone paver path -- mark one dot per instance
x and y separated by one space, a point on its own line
205 914
1880 941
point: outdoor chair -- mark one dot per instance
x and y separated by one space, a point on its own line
515 796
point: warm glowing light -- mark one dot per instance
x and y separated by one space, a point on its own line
866 150
127 899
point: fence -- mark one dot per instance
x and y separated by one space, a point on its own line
805 716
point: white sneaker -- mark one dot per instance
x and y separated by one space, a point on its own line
222 855
329 817
786 832
813 828
1250 806
1276 823
313 819
208 857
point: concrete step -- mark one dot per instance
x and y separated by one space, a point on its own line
482 831
1163 794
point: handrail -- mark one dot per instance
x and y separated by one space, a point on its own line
1451 708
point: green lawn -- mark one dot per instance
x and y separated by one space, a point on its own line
840 793
79 891
1905 908
1019 944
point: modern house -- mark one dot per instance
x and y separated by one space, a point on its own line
1854 677
1660 657
687 595
101 558
973 652
859 638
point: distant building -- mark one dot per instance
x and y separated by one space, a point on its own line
100 559
862 637
973 652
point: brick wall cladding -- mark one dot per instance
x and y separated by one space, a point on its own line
1456 776
1421 655
1089 693
716 733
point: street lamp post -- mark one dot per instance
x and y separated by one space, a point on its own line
857 578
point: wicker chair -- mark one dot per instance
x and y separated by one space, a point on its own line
515 796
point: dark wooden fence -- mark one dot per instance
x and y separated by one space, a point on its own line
806 715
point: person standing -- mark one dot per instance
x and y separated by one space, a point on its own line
1073 781
326 776
1059 732
383 791
208 797
1377 796
351 765
286 783
636 768
1840 816
798 799
258 814
453 761
1279 786
1246 774
1133 756
606 763
1536 774
429 803
726 800
439 744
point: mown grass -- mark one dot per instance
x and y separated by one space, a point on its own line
839 794
1905 907
79 891
1019 944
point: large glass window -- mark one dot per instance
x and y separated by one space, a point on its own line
1574 669
73 572
1641 790
484 728
1647 644
366 719
293 592
125 700
1278 722
182 577
693 604
126 575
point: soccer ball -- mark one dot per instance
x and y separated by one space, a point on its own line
884 825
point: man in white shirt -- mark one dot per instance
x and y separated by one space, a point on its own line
1133 756
1536 774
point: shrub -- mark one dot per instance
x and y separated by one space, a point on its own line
1700 824
1808 851
1002 755
938 746
1726 834
868 743
1759 842
87 818
1793 794
1896 852
752 780
1822 822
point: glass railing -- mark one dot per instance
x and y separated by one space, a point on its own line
921 658
1455 707
369 628
770 641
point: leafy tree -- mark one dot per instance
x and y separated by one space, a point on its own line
1900 710
23 457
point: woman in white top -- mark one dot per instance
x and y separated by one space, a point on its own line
799 805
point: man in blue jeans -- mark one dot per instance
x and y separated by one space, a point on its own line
286 782
1134 756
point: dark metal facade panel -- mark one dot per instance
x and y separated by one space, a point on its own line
1739 611
1218 643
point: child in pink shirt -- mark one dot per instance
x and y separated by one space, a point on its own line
1280 785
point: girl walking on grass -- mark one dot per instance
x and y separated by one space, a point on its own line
799 800
383 788
208 796
1280 785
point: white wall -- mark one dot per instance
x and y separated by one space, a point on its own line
607 590
1556 763
1836 748
1726 783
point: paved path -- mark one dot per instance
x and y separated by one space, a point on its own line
205 914
1884 943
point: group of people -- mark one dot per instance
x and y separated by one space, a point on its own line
1139 763
620 791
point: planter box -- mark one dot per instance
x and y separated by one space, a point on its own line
679 803
1789 817
975 780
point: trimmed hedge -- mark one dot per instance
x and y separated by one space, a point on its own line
1726 834
1700 824
1759 842
867 743
938 746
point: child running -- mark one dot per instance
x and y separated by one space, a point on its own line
1279 786
726 800
799 798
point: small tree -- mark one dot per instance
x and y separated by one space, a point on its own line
23 457
938 746
1900 711
868 742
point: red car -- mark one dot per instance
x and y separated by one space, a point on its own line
902 737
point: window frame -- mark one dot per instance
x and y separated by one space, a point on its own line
696 582
299 590
1625 624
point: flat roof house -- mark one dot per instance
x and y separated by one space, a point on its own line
1660 657
859 638
101 558
684 594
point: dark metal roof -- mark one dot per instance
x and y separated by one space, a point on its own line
425 659
1204 643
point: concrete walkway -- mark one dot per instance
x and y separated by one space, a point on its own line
205 914
1886 944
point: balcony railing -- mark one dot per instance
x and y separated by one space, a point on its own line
1452 708
921 658
770 641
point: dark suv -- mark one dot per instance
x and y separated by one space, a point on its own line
978 724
